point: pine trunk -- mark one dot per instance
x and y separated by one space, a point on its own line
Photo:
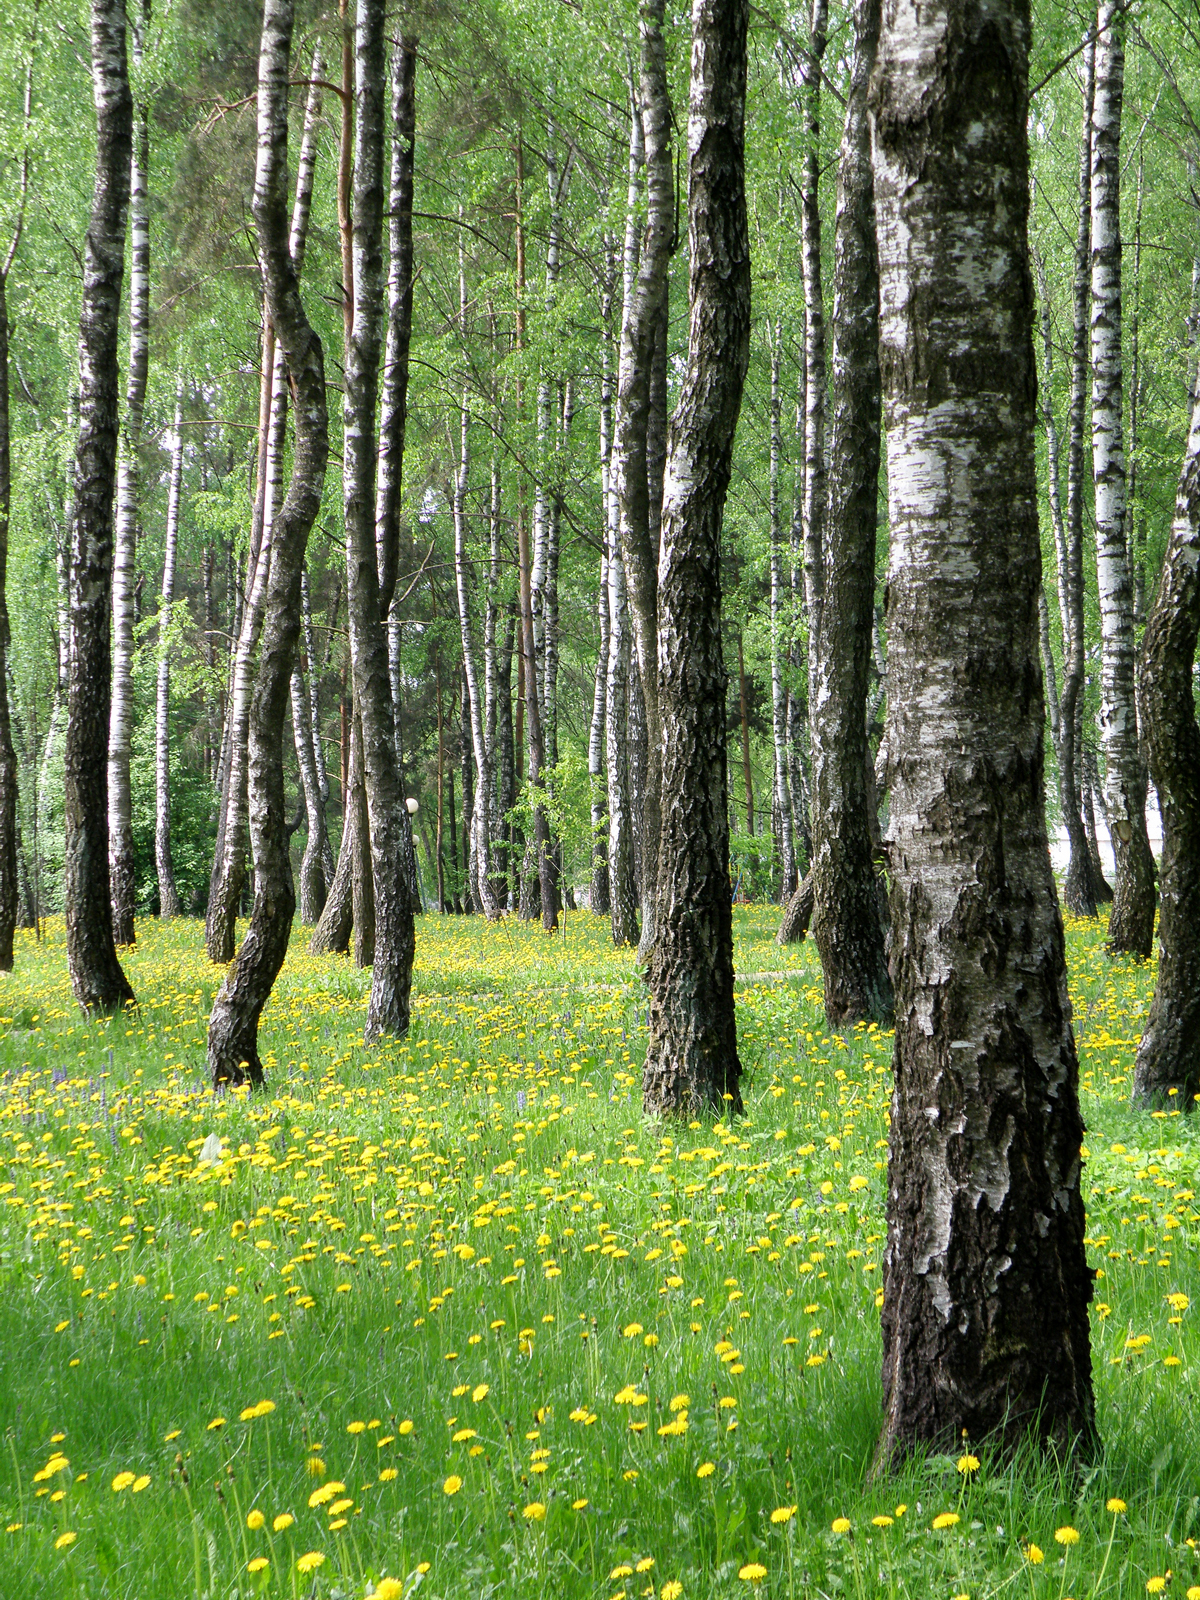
233 1056
96 976
986 1282
168 895
1167 1071
1131 924
691 1055
846 925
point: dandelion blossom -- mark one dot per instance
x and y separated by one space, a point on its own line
882 1522
65 1541
310 1561
1115 1506
671 1590
1066 1535
783 1514
752 1572
1155 1585
259 1564
841 1524
705 1469
535 1511
122 1481
1035 1555
283 1522
255 1520
968 1464
387 1589
452 1484
945 1519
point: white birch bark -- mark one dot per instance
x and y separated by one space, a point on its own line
1131 924
783 787
814 345
168 895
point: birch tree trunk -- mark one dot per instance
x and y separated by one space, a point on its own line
233 1027
395 937
782 784
691 1054
316 846
986 1282
643 326
621 882
99 983
846 923
168 895
600 899
122 885
1131 924
225 893
1167 1070
815 483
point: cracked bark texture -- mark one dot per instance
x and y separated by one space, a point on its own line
122 886
691 1054
846 924
1167 1069
1131 923
99 983
233 1026
986 1283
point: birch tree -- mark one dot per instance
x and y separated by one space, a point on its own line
120 729
1131 923
168 895
691 1053
233 1026
846 921
97 978
986 1282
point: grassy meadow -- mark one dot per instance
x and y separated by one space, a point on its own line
449 1316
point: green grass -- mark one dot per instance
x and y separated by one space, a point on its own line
468 1258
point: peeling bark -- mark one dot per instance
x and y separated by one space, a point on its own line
986 1282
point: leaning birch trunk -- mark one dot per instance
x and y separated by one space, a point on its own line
96 976
122 886
986 1281
226 892
814 352
622 891
233 1026
1167 1070
336 922
782 784
1131 924
395 938
643 326
846 924
168 895
691 1054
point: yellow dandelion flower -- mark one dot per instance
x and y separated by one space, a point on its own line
841 1524
356 1427
406 1426
387 1474
620 1572
452 1484
1066 1536
644 1564
535 1511
945 1519
122 1481
388 1589
671 1590
255 1520
310 1561
783 1514
1155 1585
1115 1506
1035 1555
141 1483
65 1541
967 1465
705 1469
480 1392
259 1564
217 1422
579 1505
283 1522
881 1522
752 1572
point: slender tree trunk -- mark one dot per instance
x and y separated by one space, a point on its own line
643 328
600 899
846 924
233 1027
782 782
96 976
815 483
508 762
337 920
747 778
122 883
691 1054
8 758
986 1282
225 893
395 937
312 865
168 895
1092 792
1167 1070
1131 924
621 883
1079 895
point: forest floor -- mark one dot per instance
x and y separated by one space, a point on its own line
452 1312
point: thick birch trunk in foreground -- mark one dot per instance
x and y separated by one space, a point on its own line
168 895
96 976
395 938
1131 924
846 924
233 1027
691 1054
986 1282
1167 1071
643 330
122 886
